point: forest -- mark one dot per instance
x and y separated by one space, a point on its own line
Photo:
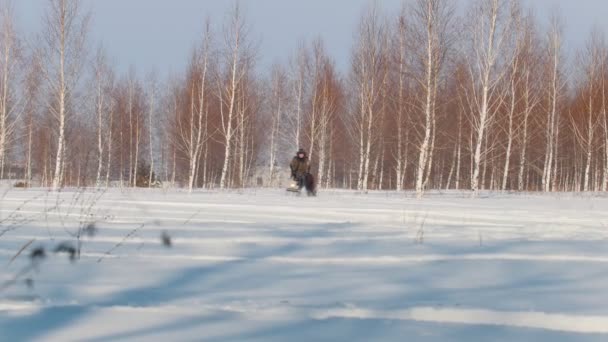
433 99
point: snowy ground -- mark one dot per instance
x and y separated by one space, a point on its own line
261 265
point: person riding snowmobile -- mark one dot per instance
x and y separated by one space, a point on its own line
300 167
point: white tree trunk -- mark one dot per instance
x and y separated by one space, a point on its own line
505 176
100 104
150 138
487 53
61 138
524 141
428 108
237 67
110 131
588 152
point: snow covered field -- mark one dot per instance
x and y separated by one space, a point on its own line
260 265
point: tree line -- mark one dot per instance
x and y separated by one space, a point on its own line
487 100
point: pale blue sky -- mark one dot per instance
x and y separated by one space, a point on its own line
159 34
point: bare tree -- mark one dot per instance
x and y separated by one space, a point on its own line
460 84
62 53
110 137
530 94
555 87
324 105
277 107
243 128
194 131
401 64
370 59
299 70
586 123
31 107
237 58
603 65
133 122
513 81
104 82
491 24
152 94
432 20
10 60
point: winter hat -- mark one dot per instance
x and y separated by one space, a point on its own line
301 150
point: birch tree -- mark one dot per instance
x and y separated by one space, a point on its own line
198 132
31 114
152 94
62 52
490 27
246 107
432 20
369 73
555 87
603 66
402 127
103 97
324 106
513 84
586 124
530 94
236 59
10 60
299 68
278 104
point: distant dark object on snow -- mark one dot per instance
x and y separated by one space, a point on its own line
90 230
68 248
20 185
166 239
37 254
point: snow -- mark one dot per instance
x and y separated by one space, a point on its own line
263 265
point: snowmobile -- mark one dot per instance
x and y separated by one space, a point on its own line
309 185
293 187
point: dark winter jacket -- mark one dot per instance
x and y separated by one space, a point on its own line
299 166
